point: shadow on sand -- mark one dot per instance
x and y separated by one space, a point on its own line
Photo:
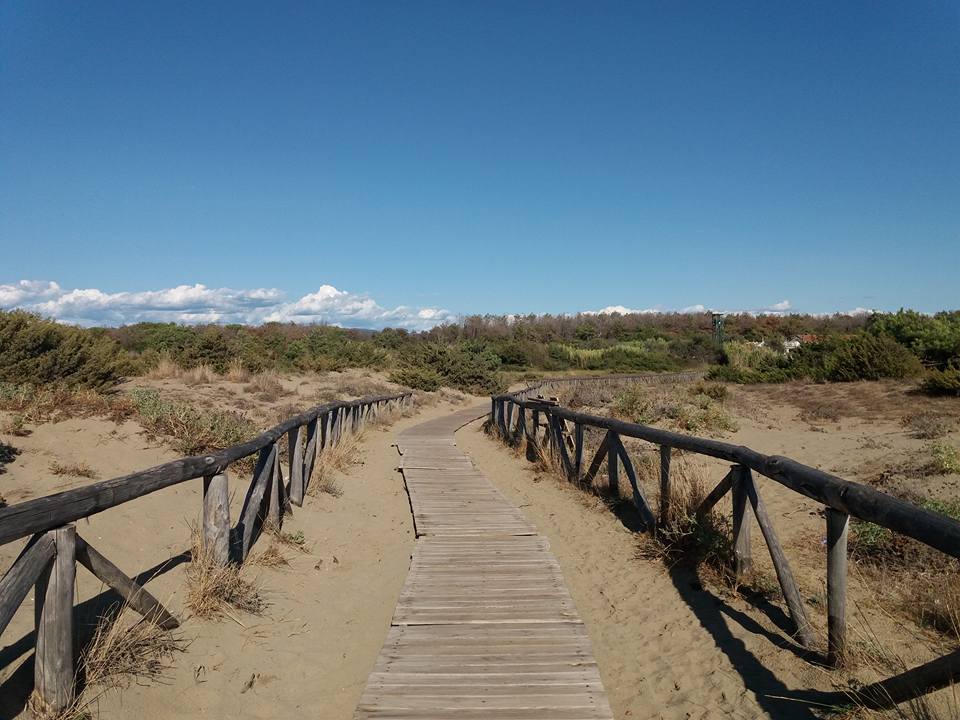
16 688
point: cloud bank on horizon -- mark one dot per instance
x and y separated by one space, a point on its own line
192 304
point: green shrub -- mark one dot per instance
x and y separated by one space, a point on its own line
686 411
858 357
470 367
942 382
946 458
42 352
195 431
418 378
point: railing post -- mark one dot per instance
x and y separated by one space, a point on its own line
53 609
216 517
742 555
613 467
838 523
295 460
577 451
664 484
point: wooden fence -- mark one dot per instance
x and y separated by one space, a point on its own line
545 426
48 561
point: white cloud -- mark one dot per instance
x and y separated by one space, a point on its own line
201 304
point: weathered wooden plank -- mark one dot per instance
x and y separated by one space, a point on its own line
838 524
136 596
484 626
780 564
216 517
251 515
53 667
295 454
23 574
742 557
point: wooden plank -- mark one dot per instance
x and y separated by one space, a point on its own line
136 596
53 671
251 516
789 586
295 464
742 557
216 518
23 574
838 524
484 626
665 451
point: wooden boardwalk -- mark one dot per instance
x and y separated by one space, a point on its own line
484 627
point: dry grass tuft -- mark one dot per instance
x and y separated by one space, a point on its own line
331 460
52 404
236 372
927 425
267 386
272 557
202 374
14 425
80 469
212 588
166 368
125 648
294 540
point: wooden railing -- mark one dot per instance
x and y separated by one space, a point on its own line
544 425
48 561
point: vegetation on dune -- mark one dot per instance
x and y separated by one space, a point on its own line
472 356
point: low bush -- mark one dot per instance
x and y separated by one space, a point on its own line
194 431
42 352
688 410
945 458
417 378
942 382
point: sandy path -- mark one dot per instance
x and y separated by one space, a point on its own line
329 611
666 649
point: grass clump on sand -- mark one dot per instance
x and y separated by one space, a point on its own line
945 458
213 588
922 582
333 459
695 409
80 469
195 431
125 649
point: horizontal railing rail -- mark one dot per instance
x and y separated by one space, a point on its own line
843 499
48 562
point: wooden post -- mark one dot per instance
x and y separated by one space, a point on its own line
577 451
216 517
787 583
838 524
664 484
275 507
742 558
310 452
613 467
295 460
53 660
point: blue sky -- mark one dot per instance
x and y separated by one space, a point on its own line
429 159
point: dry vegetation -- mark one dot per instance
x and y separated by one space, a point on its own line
125 648
79 469
333 460
214 589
